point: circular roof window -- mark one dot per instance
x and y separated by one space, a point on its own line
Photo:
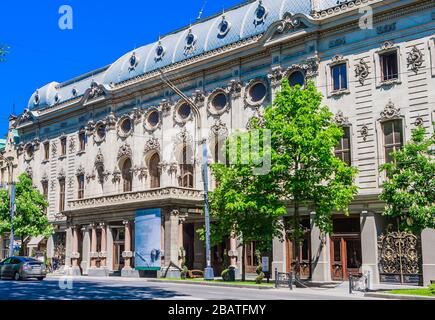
36 99
260 14
184 111
224 27
190 43
258 92
160 52
74 92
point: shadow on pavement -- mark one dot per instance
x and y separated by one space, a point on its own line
49 289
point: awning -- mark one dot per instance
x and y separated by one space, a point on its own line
35 241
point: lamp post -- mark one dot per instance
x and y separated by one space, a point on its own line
11 204
208 272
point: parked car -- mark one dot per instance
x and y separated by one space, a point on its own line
20 268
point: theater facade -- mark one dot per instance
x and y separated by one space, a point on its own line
118 144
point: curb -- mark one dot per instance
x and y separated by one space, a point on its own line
213 284
397 296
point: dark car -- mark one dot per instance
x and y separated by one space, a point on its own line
20 268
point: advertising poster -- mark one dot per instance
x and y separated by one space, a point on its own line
147 240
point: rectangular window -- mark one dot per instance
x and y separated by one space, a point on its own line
81 185
389 66
339 76
82 141
393 138
61 195
342 150
46 151
63 146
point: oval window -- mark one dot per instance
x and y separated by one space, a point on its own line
258 92
101 131
219 101
261 12
126 125
190 39
297 78
184 111
153 119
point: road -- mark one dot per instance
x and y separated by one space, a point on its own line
138 289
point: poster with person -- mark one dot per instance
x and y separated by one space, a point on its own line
148 240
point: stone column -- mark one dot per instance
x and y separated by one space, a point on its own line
279 254
68 248
94 253
86 250
103 253
428 253
128 271
109 259
181 221
171 243
320 254
369 246
75 255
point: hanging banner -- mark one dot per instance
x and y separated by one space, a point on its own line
148 240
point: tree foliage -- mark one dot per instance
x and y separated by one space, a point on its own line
3 52
409 191
30 218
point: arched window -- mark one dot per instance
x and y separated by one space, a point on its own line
127 175
154 171
186 168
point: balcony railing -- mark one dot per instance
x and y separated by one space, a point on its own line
162 196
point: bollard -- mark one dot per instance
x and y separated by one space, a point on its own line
290 280
350 282
276 277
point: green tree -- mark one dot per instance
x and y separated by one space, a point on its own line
30 218
303 138
244 204
409 191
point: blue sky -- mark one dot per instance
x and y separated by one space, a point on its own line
103 30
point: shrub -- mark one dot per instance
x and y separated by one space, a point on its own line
225 275
432 289
260 275
184 271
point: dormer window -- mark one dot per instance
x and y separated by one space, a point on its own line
260 14
224 27
160 52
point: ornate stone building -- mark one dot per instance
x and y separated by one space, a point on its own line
117 140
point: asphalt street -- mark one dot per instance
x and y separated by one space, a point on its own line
137 289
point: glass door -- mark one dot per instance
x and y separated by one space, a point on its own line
346 257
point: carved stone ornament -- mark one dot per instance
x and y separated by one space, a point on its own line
288 23
362 71
310 67
390 112
276 76
341 120
99 159
152 144
111 121
219 129
415 59
419 122
116 176
72 145
198 97
124 151
260 119
136 115
364 132
29 172
44 178
183 137
52 186
70 182
141 172
61 175
95 91
90 176
90 127
80 171
173 167
235 88
165 106
54 149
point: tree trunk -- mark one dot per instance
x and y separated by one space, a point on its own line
296 239
243 262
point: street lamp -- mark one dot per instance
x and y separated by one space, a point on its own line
10 165
208 272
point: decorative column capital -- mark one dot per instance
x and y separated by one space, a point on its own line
92 225
126 222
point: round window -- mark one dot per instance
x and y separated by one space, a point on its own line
220 101
261 12
190 40
126 125
297 78
184 111
101 131
153 119
258 92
